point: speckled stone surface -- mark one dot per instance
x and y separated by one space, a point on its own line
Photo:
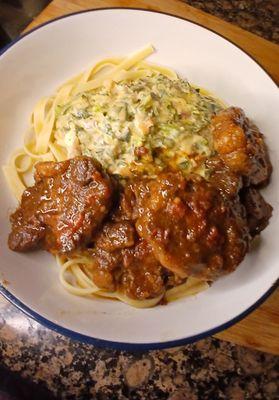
46 365
257 16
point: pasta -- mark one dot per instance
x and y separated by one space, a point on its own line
84 286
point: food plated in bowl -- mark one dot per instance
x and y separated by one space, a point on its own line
151 187
148 189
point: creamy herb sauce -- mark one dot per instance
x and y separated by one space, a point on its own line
140 126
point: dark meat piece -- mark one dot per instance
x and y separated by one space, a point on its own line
192 229
121 261
257 209
25 234
241 146
107 255
115 236
104 265
223 178
142 276
63 209
126 210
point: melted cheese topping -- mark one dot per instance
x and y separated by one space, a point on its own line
140 126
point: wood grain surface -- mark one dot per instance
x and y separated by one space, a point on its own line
260 329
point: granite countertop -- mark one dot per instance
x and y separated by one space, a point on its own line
38 363
46 365
257 16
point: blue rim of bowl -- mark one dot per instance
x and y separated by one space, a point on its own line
126 345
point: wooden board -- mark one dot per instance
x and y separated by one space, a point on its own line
262 50
260 329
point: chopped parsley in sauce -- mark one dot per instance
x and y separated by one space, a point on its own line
140 126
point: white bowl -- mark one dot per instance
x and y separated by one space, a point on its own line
34 66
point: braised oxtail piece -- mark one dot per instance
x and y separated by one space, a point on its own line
63 209
191 227
241 146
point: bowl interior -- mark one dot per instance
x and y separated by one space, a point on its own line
35 66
